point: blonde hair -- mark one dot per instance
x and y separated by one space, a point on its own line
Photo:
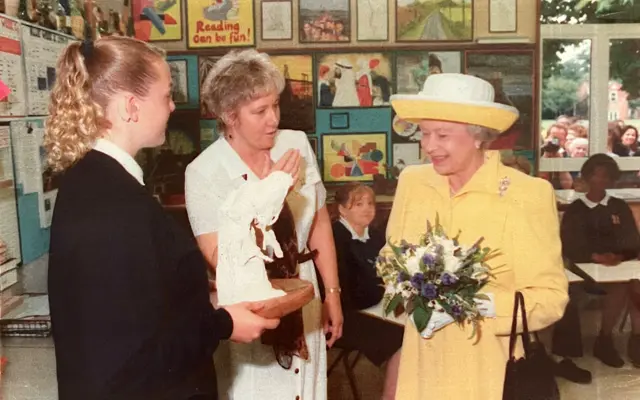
239 77
82 90
578 130
349 194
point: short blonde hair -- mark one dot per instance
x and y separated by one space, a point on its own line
239 77
82 90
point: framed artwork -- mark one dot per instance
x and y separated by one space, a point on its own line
373 20
324 21
413 67
434 20
512 75
277 20
404 131
165 165
353 157
339 120
405 154
222 23
313 141
157 20
296 100
184 80
205 65
503 16
354 80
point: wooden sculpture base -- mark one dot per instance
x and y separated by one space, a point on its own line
299 293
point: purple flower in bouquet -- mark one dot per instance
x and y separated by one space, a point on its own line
456 310
403 277
448 279
417 280
428 260
429 291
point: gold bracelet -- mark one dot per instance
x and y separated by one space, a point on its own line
333 290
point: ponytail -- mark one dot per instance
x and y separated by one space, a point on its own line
85 86
72 126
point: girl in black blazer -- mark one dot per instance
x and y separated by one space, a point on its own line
128 289
357 246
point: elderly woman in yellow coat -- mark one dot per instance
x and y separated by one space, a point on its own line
472 191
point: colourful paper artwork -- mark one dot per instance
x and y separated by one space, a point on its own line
354 157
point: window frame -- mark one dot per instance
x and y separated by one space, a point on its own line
600 35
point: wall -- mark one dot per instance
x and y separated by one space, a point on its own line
527 25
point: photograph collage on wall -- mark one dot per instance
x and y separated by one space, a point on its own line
327 21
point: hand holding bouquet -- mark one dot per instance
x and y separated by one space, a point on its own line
437 281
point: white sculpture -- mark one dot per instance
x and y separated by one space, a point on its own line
240 273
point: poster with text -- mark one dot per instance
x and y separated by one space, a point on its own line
220 23
157 20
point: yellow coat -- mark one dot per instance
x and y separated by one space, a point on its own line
523 224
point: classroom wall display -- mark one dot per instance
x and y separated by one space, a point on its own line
327 21
9 232
313 141
434 20
205 63
36 187
405 154
165 165
296 100
353 157
11 74
157 20
184 79
223 23
276 19
512 75
41 48
413 67
208 132
372 20
404 131
354 79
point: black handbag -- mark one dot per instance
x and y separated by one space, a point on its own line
530 377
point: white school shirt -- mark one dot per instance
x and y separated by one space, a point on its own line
122 157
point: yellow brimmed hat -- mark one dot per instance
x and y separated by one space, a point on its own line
455 98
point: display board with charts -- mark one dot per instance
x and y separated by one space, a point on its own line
28 58
41 49
13 102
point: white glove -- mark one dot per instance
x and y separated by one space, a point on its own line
438 320
487 308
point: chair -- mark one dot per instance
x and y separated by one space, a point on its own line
345 352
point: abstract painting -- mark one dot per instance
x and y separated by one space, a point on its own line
354 80
353 157
434 20
324 21
296 100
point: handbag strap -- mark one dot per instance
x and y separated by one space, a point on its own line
526 341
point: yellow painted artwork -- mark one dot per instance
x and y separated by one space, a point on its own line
353 157
157 20
220 23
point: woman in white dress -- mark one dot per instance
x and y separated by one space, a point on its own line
243 90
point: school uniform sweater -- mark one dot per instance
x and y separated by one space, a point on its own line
128 293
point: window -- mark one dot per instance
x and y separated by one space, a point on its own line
595 48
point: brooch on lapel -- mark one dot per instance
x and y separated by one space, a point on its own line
615 219
504 185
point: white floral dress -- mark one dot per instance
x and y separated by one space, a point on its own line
250 371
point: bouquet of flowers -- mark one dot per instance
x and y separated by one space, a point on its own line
437 275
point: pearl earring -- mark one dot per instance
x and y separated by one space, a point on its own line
478 145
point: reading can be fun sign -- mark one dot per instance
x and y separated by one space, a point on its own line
220 23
